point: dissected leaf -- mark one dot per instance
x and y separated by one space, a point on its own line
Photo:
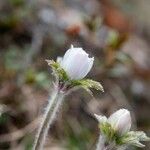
88 83
134 138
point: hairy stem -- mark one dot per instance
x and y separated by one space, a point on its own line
102 146
48 118
101 143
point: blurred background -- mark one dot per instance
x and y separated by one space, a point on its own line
115 32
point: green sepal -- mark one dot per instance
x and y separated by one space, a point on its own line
108 131
58 70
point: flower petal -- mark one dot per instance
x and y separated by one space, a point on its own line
121 121
76 63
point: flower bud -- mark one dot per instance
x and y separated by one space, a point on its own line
120 121
76 63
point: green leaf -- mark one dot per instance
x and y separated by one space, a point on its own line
138 135
87 84
134 138
141 136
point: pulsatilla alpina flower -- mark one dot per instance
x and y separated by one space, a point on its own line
72 68
120 121
116 130
69 72
76 63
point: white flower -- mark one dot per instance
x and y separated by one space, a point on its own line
120 121
117 126
76 63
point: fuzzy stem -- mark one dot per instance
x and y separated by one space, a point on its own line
101 143
49 116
